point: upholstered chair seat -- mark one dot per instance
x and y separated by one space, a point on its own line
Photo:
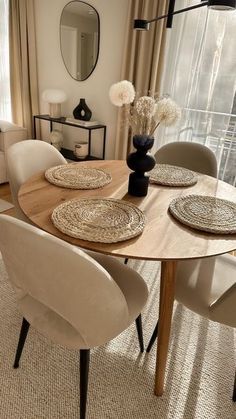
67 295
206 286
26 158
58 329
193 156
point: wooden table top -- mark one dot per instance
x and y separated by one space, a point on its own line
163 237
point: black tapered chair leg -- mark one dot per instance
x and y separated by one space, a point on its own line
23 335
153 338
234 392
84 372
126 261
139 328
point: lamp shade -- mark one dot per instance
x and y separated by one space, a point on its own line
222 4
54 96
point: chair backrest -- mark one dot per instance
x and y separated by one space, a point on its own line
26 158
223 310
63 278
207 286
193 156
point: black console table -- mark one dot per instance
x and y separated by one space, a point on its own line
69 154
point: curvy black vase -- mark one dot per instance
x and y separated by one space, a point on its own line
82 111
140 162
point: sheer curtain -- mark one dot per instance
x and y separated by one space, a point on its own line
5 99
199 74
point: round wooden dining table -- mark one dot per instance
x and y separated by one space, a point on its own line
163 238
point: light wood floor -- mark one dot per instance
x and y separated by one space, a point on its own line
5 194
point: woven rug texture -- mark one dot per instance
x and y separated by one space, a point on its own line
199 377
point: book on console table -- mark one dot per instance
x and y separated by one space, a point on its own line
81 122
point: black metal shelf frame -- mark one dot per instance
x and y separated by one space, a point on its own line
69 153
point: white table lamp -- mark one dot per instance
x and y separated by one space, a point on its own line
54 97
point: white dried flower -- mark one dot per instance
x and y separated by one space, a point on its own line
146 113
145 106
167 111
122 93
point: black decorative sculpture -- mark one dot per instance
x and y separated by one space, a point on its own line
82 111
140 162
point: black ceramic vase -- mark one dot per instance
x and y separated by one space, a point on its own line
140 162
82 111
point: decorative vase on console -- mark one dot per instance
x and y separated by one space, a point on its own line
140 162
82 111
144 115
56 139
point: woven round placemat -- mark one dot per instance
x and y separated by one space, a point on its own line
168 175
99 220
206 213
73 176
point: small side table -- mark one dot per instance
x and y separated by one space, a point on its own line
69 153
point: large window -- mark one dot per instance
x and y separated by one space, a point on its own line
200 76
5 101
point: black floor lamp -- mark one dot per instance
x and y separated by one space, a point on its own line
143 25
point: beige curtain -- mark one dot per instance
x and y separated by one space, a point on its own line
143 60
23 63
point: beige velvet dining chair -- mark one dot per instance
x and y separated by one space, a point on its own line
66 295
193 156
208 288
29 157
26 158
205 286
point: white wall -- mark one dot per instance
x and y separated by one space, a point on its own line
53 74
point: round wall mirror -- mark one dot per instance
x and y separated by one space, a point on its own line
79 38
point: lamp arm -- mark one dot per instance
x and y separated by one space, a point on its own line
170 13
178 11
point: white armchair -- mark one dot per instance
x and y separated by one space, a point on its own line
9 134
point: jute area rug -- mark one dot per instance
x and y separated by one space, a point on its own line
5 205
199 377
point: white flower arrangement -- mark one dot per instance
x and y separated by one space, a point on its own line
146 113
122 93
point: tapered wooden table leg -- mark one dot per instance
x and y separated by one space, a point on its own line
167 292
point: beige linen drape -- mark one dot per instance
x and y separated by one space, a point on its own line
143 60
23 63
